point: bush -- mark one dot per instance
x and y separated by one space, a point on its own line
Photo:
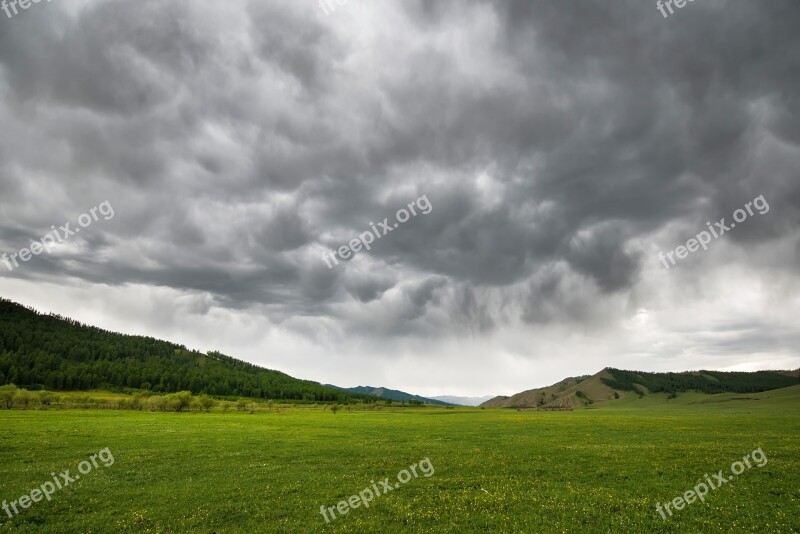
7 394
23 397
45 398
156 403
179 401
206 403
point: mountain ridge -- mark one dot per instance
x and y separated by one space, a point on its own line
463 401
391 394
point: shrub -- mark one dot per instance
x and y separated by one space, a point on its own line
23 397
206 403
7 394
156 403
179 401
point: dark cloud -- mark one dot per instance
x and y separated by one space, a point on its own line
560 147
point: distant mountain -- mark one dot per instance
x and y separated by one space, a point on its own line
51 352
611 384
463 401
391 394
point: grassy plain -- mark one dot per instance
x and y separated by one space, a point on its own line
594 470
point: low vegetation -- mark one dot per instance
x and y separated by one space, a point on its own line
13 398
600 470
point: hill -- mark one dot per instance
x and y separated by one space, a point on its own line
40 351
391 394
612 384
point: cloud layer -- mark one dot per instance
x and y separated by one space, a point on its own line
561 146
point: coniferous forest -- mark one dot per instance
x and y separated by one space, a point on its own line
710 382
51 352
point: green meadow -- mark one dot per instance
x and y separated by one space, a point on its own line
593 470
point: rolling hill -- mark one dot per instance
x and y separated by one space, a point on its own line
613 384
51 352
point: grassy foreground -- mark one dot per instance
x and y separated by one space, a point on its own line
495 470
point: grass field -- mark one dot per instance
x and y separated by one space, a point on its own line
495 470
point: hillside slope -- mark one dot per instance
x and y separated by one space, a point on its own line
562 394
49 351
612 384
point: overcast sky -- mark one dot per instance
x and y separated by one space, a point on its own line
561 145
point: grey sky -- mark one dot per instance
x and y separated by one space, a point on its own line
562 145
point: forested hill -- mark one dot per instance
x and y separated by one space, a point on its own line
52 352
702 381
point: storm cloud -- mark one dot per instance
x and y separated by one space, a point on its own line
561 146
